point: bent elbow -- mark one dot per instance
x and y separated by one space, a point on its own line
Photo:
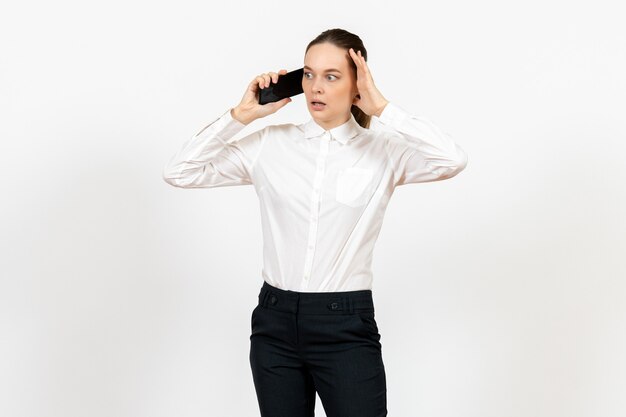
169 180
461 160
457 164
170 176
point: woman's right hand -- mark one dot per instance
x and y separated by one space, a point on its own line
249 109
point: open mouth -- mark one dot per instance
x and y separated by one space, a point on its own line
318 104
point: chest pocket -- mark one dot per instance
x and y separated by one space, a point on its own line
353 185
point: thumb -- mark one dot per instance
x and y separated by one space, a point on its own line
280 103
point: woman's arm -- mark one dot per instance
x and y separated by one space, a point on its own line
418 150
208 159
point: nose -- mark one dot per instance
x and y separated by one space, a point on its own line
315 86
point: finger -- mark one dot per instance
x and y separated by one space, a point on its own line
267 79
283 102
358 60
354 56
362 59
364 66
276 75
252 84
278 104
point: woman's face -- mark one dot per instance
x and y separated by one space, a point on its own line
329 78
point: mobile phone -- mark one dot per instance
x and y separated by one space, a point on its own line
288 85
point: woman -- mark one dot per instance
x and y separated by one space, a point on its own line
323 188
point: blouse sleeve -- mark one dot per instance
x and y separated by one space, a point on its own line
418 150
211 159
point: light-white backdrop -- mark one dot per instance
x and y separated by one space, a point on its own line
499 293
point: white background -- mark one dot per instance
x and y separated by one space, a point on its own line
499 293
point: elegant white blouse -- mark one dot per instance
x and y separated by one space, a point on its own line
322 194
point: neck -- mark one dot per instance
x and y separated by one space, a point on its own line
331 124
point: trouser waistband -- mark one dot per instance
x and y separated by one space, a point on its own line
340 302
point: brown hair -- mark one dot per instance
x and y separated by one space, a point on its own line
344 39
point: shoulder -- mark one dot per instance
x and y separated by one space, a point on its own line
380 131
285 129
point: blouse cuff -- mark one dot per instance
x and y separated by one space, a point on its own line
225 126
392 115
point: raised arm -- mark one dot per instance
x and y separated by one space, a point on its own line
209 159
418 150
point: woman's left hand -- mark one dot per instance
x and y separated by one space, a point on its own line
372 101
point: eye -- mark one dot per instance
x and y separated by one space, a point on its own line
305 75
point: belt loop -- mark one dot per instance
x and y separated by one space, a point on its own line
351 305
264 301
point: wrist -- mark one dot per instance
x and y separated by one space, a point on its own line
240 116
381 108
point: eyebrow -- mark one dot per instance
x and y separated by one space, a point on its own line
328 70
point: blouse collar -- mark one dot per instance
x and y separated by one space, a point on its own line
343 133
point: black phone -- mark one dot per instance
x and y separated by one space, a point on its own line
288 85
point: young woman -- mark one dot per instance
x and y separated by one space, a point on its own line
323 188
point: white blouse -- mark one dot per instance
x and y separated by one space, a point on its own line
322 194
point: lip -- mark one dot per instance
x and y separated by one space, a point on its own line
317 109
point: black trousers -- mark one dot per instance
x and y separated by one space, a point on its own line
325 342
